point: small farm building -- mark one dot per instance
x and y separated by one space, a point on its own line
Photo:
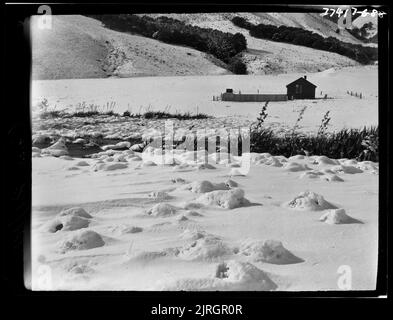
301 89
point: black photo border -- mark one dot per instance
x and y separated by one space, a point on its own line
17 183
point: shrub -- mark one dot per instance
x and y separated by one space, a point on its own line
237 66
220 44
307 38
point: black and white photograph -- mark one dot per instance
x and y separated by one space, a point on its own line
205 151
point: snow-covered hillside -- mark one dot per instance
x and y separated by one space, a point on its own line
80 47
308 21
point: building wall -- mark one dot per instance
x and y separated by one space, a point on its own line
253 97
307 93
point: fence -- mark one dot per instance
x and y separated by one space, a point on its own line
253 97
355 94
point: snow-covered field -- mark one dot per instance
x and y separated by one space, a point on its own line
127 220
195 94
189 226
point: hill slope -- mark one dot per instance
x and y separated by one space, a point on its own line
80 47
264 56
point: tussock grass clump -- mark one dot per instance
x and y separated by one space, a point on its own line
179 116
83 110
360 144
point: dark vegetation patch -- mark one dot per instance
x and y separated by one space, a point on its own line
299 36
222 45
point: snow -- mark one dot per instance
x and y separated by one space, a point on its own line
229 199
270 251
148 229
336 216
228 276
131 220
193 93
309 201
82 240
162 210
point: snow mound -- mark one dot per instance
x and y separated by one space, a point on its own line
323 160
66 158
57 149
178 180
68 220
245 273
228 276
148 163
295 167
79 140
159 195
206 186
296 157
82 240
72 168
193 234
368 165
40 139
146 256
162 210
71 223
234 165
52 226
182 219
192 213
119 158
109 166
331 178
309 200
203 166
349 162
267 159
75 267
310 175
270 251
231 184
336 216
124 229
131 229
82 164
75 211
117 146
273 162
346 169
227 199
205 248
236 172
138 147
192 205
135 158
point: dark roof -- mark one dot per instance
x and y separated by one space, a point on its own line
302 80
